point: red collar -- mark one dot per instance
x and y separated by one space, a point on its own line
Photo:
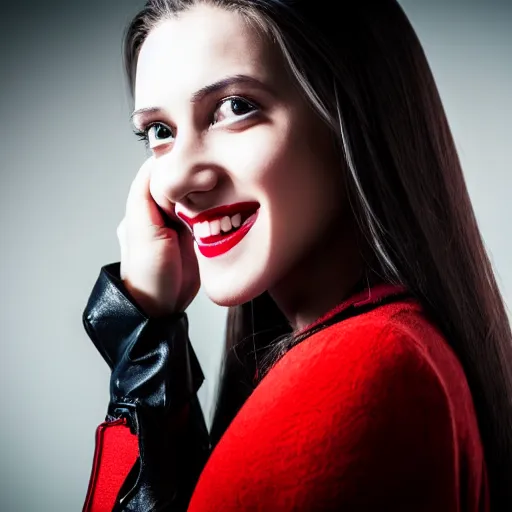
374 295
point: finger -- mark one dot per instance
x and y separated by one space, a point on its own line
123 245
191 278
187 247
141 209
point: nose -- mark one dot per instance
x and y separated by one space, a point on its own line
185 173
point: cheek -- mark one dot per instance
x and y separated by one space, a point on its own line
266 158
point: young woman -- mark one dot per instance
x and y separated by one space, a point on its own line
303 171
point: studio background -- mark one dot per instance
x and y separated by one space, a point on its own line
67 159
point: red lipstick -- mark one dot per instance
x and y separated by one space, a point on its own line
215 245
220 211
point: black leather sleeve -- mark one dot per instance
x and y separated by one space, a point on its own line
154 380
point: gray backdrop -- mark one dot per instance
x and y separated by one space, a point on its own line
67 159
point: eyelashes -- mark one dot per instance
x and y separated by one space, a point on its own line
143 134
241 108
237 105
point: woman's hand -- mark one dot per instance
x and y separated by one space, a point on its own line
158 264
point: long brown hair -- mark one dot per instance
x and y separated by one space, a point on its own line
367 76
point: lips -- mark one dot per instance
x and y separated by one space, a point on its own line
245 209
224 243
219 244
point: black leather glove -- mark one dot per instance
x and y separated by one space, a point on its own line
154 381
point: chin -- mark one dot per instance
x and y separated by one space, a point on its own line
226 294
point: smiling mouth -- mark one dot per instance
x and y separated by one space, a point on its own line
208 232
219 229
215 245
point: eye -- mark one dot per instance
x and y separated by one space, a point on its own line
235 108
231 109
155 134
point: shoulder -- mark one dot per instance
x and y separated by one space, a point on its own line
389 346
369 379
370 391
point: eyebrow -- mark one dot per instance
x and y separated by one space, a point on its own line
207 90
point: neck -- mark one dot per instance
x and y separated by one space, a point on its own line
321 280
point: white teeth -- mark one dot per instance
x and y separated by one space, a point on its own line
236 220
206 229
215 227
225 224
202 229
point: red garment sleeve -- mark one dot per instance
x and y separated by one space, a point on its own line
116 450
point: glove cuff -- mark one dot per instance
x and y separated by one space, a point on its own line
112 317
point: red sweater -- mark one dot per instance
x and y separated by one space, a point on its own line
371 413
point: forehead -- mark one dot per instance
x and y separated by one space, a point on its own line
199 47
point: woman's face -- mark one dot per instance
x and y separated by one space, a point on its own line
231 127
